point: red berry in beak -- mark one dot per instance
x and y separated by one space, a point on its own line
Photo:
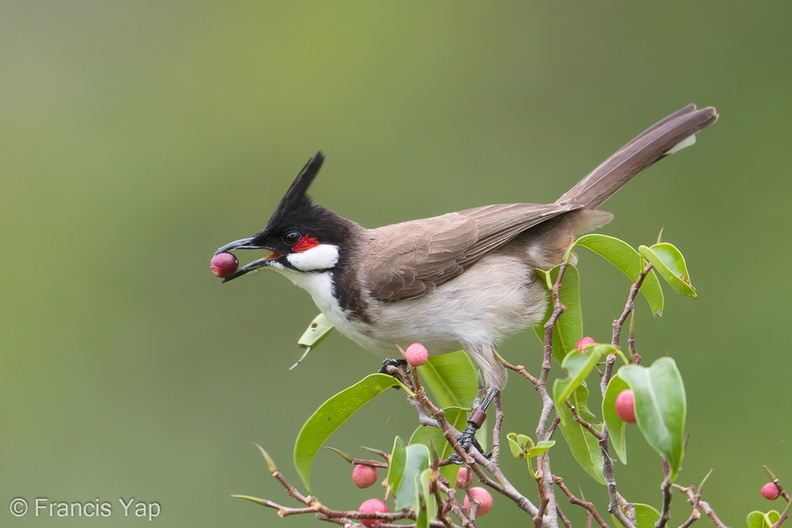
223 264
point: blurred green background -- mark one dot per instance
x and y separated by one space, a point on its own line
137 137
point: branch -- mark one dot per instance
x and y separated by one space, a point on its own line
589 506
695 500
629 306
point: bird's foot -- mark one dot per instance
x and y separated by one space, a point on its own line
468 437
393 367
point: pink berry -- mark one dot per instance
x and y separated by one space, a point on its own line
364 476
584 342
223 264
416 355
464 478
625 406
770 491
371 506
481 496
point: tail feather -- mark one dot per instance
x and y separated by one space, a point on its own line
664 137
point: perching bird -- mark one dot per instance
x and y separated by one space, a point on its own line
463 280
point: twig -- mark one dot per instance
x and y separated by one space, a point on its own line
665 489
628 307
590 428
520 369
694 499
588 506
496 442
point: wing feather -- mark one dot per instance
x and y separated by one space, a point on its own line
413 258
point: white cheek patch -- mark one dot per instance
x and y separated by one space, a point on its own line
321 257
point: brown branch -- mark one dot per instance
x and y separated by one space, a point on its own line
665 489
629 306
695 500
520 369
496 429
588 506
587 426
567 522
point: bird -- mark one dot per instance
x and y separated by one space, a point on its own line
464 280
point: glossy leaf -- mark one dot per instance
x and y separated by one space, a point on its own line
616 426
645 516
452 379
660 407
519 444
757 519
427 506
396 464
319 328
329 417
578 364
522 446
569 327
408 490
540 448
584 446
670 264
432 437
628 261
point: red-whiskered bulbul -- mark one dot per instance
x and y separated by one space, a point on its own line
463 280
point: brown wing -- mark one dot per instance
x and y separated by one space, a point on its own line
413 258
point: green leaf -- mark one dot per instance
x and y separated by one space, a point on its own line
670 264
579 364
616 426
319 328
519 444
522 446
584 446
569 327
660 407
396 464
329 417
628 261
433 437
427 506
540 448
757 519
645 516
516 447
452 378
408 490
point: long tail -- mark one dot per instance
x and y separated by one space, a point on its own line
656 142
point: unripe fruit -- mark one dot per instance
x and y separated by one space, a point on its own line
416 355
364 476
370 506
770 491
481 496
625 406
584 342
464 478
223 264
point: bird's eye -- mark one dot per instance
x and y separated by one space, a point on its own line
291 238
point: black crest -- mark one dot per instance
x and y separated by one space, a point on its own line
296 198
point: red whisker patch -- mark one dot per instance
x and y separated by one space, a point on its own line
305 243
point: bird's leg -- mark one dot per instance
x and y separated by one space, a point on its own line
476 419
